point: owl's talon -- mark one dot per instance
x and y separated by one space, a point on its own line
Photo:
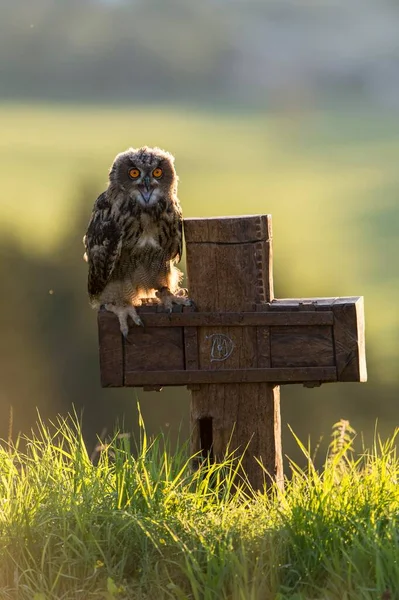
182 293
168 299
131 311
139 322
184 301
136 319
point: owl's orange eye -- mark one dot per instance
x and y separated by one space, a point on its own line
157 173
134 173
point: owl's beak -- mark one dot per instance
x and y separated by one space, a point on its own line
146 193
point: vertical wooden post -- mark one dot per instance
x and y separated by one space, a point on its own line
229 265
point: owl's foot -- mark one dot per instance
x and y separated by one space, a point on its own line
168 299
123 312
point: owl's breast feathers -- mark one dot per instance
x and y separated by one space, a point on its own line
112 231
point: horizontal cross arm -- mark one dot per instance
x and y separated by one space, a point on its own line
235 319
272 375
278 342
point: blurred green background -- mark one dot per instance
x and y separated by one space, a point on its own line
284 107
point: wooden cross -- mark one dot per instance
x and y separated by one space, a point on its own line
239 344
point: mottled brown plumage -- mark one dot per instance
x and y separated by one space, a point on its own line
134 237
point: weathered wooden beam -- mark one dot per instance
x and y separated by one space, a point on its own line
112 360
293 336
229 267
349 339
234 319
228 230
273 375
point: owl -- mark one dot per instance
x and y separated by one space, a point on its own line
134 237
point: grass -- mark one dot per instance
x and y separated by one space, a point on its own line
141 523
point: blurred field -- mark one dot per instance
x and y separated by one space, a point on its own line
330 181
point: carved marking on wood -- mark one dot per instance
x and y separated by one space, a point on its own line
221 348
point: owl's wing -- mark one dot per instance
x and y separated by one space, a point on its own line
175 241
180 233
103 243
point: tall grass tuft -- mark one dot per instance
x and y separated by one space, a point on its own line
143 523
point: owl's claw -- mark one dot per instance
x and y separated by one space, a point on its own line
123 312
182 293
125 331
168 299
131 311
125 334
138 321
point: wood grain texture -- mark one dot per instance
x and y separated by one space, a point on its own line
264 357
154 349
191 359
111 350
228 230
220 319
263 349
291 336
244 418
310 346
226 376
349 339
229 269
191 348
296 304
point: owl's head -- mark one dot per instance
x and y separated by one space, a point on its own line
145 174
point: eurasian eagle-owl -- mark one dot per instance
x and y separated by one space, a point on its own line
134 237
